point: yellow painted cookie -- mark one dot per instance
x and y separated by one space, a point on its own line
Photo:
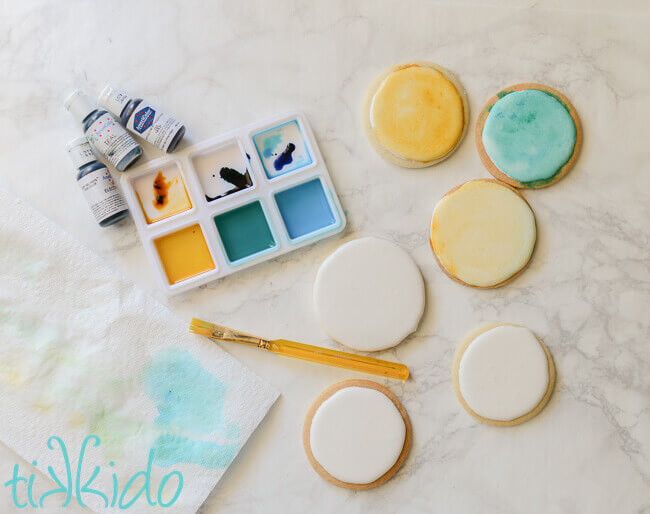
483 233
415 114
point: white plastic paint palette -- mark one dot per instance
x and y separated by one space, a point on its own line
233 201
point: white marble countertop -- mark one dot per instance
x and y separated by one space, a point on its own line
586 293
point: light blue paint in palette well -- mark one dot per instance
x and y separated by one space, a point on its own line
190 403
305 209
245 232
529 135
282 149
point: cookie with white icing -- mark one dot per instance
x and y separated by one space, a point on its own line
357 434
415 114
503 374
528 135
369 294
483 233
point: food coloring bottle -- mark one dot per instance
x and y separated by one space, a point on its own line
103 131
103 196
143 119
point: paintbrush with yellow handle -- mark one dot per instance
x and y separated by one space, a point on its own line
303 351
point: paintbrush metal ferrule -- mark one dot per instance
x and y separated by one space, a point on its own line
235 336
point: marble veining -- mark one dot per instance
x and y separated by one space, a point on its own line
585 294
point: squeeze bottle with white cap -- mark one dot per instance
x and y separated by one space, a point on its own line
143 119
96 183
103 131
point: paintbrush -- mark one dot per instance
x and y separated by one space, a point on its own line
303 351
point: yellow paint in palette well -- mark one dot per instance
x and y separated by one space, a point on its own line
417 114
184 254
162 194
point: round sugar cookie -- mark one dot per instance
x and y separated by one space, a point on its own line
503 375
528 135
369 294
483 233
356 434
415 114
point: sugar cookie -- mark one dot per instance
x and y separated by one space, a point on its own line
483 233
369 294
415 114
503 375
528 135
357 434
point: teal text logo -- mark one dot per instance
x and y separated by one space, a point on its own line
72 487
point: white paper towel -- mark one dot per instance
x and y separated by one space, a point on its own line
82 351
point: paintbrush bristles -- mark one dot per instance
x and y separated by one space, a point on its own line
221 333
201 327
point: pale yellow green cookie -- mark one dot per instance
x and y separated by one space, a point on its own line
483 233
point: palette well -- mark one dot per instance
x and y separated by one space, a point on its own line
162 193
305 209
184 254
233 201
282 149
222 170
245 231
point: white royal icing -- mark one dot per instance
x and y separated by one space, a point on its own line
503 373
369 294
357 435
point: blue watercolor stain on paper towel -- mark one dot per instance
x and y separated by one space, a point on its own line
171 449
190 401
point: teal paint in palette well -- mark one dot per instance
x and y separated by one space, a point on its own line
190 403
245 232
529 135
305 208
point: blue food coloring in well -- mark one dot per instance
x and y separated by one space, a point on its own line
190 403
284 158
304 208
282 149
529 135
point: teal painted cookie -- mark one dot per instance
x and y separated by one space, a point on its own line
529 135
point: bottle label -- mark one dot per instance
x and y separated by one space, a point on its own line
110 139
102 195
153 126
114 100
81 155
